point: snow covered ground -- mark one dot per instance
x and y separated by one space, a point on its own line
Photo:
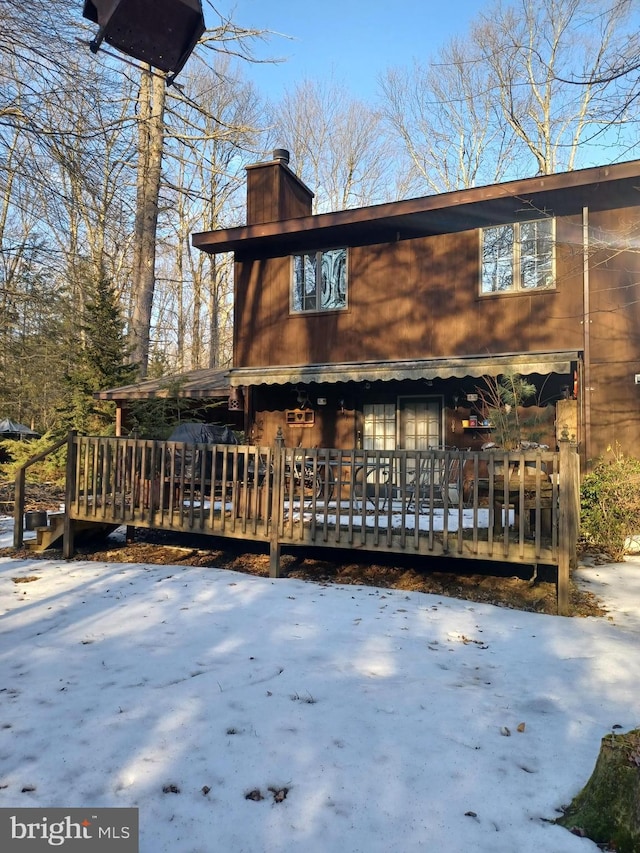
246 715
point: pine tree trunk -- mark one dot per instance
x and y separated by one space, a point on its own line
607 810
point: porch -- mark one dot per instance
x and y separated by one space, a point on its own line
474 505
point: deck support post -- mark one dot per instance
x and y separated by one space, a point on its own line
274 559
70 492
569 519
277 499
18 509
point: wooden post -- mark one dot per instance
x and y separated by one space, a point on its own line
276 504
569 519
69 495
19 495
18 509
576 502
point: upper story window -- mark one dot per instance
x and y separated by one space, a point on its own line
319 281
518 257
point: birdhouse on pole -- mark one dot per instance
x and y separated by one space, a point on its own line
162 33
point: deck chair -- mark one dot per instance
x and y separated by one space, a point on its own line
372 481
439 480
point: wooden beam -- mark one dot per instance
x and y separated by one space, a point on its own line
71 488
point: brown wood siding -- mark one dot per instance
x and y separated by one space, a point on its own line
260 205
274 193
295 198
411 299
615 329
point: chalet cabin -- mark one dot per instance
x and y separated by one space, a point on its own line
378 327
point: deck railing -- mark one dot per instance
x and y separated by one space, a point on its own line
19 490
510 507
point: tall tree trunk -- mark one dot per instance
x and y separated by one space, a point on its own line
151 131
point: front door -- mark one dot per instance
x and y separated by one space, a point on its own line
420 426
414 424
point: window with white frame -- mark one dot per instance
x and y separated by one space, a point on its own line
319 281
518 257
379 422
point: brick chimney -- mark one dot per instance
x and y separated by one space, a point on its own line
274 192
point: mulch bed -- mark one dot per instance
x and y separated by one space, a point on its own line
505 585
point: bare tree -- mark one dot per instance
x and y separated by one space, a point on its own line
444 116
502 101
154 118
337 144
55 207
151 134
211 134
531 48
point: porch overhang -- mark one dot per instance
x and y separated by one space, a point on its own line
386 371
205 383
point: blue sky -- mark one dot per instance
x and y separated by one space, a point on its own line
352 40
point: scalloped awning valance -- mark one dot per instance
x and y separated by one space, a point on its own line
385 371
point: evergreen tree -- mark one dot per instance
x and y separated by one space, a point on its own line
101 362
33 346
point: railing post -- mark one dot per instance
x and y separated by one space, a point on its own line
569 519
277 494
18 508
69 494
19 493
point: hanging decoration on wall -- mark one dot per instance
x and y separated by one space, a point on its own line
300 417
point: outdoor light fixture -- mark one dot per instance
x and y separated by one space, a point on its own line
162 33
302 398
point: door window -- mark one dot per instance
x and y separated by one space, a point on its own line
420 423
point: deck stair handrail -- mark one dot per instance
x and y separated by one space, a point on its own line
18 509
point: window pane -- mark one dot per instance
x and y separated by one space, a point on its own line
420 424
310 283
379 426
304 296
536 254
334 279
319 281
497 258
298 283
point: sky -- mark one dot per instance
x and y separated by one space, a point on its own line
353 40
245 714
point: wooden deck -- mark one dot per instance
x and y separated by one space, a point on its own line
508 507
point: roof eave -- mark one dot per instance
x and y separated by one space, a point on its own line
401 220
